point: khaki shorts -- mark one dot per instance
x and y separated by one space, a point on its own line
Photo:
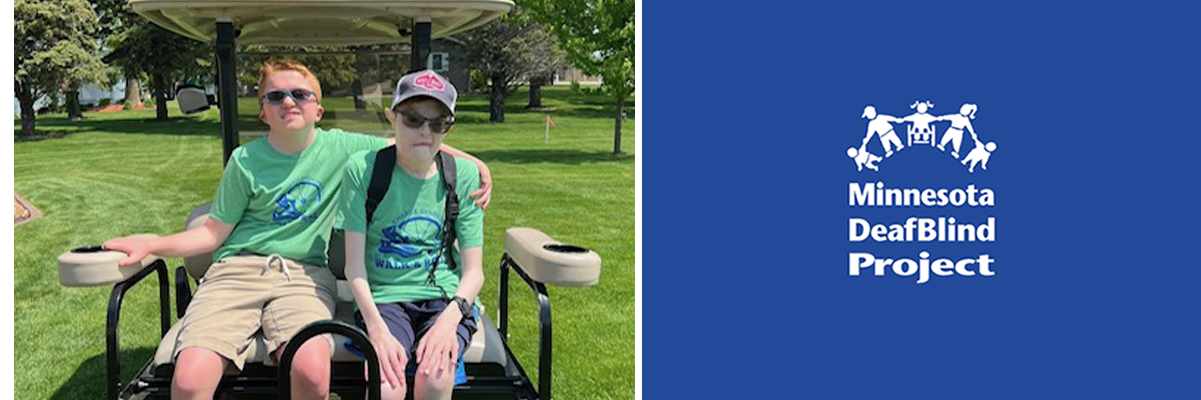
240 295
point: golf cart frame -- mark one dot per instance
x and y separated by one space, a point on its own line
347 379
535 258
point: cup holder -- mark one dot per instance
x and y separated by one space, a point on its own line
549 261
565 248
89 249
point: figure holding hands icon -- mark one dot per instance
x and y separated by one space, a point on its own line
921 131
979 154
959 122
880 124
863 158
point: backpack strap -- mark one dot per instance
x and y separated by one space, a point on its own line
381 177
446 167
450 180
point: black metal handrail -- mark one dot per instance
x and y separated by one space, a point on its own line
357 338
183 291
112 327
544 320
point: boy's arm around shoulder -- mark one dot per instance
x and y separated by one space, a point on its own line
470 224
203 239
484 195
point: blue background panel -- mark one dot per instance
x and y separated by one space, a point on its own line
748 111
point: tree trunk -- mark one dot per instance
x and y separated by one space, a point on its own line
617 128
362 62
535 96
133 90
536 92
496 103
356 88
28 114
73 111
160 98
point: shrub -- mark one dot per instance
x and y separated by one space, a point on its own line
479 81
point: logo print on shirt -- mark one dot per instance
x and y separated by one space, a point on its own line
429 82
296 203
405 239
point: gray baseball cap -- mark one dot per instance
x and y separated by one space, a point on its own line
425 83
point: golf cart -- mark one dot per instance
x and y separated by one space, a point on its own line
492 371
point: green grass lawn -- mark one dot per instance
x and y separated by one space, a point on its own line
115 174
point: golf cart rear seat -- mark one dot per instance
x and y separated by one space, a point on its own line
491 368
477 355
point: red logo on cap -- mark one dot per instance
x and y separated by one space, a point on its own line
429 82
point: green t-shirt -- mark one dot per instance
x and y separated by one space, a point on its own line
404 236
285 204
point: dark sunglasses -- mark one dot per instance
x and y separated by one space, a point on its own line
437 125
297 95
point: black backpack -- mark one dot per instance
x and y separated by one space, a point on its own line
381 177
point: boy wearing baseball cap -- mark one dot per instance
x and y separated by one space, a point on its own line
270 226
414 290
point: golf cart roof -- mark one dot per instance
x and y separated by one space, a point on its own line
319 22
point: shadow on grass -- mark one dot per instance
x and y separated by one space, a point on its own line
597 112
89 380
573 157
561 93
39 136
134 125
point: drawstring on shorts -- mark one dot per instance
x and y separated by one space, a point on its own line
283 265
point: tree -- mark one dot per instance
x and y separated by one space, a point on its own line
509 51
547 60
141 48
54 51
166 57
116 15
544 71
598 37
333 66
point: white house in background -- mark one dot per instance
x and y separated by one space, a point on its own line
89 96
569 75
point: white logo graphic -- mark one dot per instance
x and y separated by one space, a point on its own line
921 130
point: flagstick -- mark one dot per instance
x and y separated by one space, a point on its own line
546 139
